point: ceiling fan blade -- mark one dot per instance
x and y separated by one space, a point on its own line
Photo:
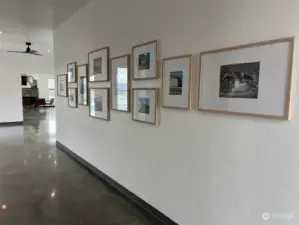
16 52
35 53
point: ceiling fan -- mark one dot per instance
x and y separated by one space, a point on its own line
28 50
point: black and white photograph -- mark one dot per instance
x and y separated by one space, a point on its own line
239 80
175 82
98 104
97 66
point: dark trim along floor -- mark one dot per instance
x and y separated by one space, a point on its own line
12 124
163 219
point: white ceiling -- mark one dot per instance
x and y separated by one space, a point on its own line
33 20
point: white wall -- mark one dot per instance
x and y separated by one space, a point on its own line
197 168
11 68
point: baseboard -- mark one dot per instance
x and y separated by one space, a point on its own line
12 124
156 214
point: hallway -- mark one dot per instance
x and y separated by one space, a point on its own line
40 185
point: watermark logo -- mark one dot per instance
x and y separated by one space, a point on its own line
278 216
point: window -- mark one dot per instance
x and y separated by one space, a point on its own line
51 88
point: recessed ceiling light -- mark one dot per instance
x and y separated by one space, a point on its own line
49 50
1 32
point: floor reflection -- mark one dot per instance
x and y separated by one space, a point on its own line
40 185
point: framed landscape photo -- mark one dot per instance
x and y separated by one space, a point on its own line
98 62
99 103
145 61
82 84
145 105
120 83
176 82
62 85
73 100
253 79
72 72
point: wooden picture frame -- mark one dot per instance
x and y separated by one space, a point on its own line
145 50
182 64
70 90
84 68
72 74
156 114
123 60
106 115
58 85
99 72
267 56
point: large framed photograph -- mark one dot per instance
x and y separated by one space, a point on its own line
82 84
145 105
73 97
120 83
253 79
99 103
98 62
176 82
72 72
62 86
146 61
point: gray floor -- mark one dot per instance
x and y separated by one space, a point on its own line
40 185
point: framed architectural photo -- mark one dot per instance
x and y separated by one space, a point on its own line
120 83
73 97
145 61
72 72
82 84
98 62
145 105
176 82
62 86
99 103
253 79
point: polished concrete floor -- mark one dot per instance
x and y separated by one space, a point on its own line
40 185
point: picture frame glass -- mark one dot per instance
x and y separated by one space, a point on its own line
82 85
62 85
246 80
98 65
72 98
99 106
145 105
176 82
120 84
71 72
145 61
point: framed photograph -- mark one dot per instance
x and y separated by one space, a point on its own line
98 62
120 83
73 100
82 84
62 86
145 105
146 61
253 79
72 72
99 103
176 82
